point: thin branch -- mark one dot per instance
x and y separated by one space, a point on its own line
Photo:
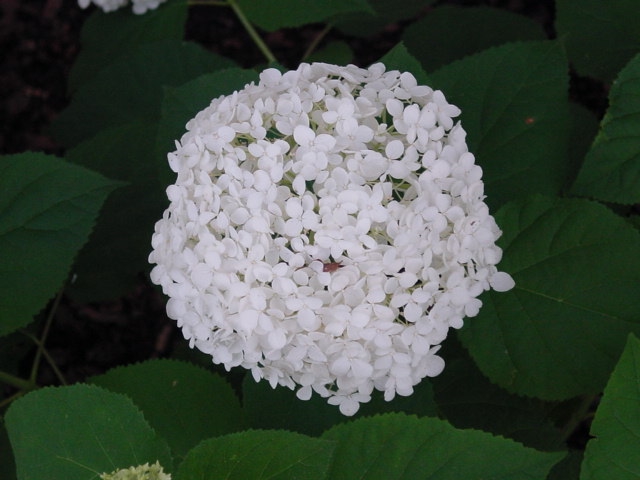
17 382
45 333
252 32
316 41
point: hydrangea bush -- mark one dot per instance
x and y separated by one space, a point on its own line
371 279
326 229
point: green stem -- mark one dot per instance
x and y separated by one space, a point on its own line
45 333
314 44
10 399
578 416
17 382
252 32
48 358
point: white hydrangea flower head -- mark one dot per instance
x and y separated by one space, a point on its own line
138 6
141 472
326 229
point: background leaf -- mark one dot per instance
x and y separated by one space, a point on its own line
435 42
121 139
47 209
584 127
7 463
266 407
615 452
78 432
120 244
185 404
384 12
466 399
611 170
399 58
109 36
130 89
515 111
568 468
277 14
395 446
258 455
559 332
600 36
336 52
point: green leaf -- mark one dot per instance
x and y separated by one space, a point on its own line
120 244
443 34
125 144
336 52
515 111
584 127
611 171
615 452
399 58
78 432
130 89
180 104
466 399
258 455
276 14
7 463
395 446
601 37
267 407
568 468
47 210
108 36
185 404
559 332
365 24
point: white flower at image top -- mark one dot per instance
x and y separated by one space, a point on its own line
326 229
138 6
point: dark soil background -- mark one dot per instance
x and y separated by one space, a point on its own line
39 40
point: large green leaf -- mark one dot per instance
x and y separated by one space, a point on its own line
258 455
559 332
568 468
584 127
109 36
120 244
122 141
180 104
130 89
7 463
365 24
399 58
449 32
466 399
611 170
600 36
515 111
277 14
185 404
615 452
78 432
395 446
267 407
47 210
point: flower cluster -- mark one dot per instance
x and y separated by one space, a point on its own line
326 228
141 472
138 6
